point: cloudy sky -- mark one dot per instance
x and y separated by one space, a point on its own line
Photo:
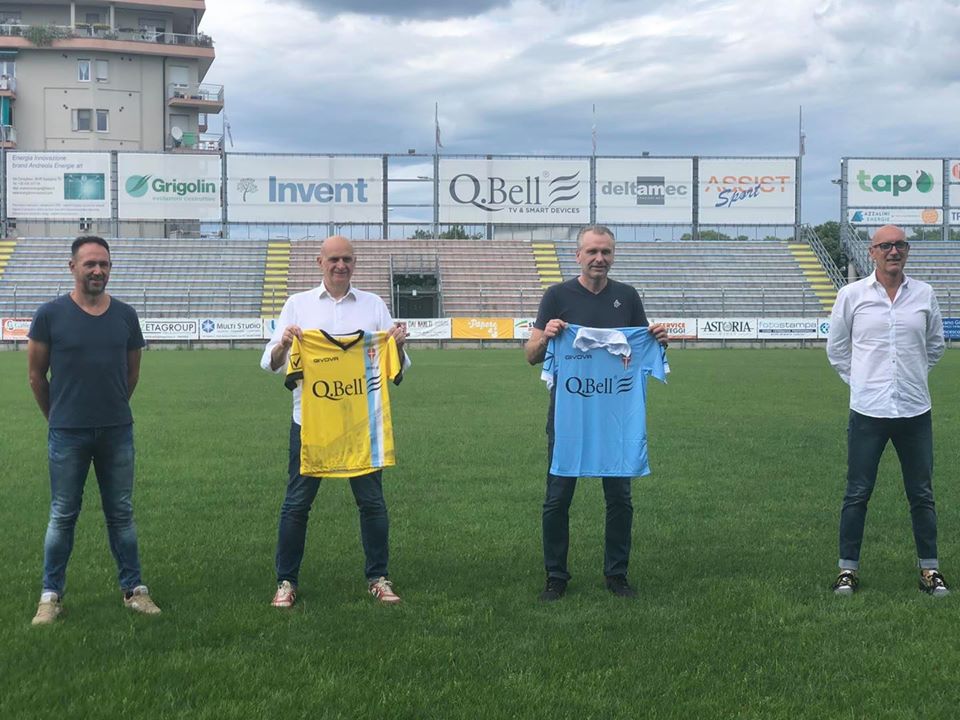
687 77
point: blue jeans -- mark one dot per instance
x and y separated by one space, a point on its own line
556 521
70 453
295 511
913 440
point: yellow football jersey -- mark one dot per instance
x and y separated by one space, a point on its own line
346 427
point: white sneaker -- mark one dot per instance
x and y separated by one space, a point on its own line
382 590
285 596
48 609
139 601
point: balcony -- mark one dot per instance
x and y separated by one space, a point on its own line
8 87
8 137
191 142
203 97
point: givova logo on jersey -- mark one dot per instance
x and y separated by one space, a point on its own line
592 387
337 390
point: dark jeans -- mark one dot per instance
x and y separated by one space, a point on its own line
913 440
70 453
556 521
295 511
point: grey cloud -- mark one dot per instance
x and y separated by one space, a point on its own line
406 10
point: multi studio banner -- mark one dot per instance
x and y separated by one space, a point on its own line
166 186
508 191
304 189
885 183
644 190
748 191
58 185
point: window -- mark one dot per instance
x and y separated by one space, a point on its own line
8 68
103 70
83 70
93 18
103 121
82 119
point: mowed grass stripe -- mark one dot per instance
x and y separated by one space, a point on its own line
734 550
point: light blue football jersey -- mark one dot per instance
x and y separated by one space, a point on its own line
600 414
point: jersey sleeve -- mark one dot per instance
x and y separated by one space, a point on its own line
294 373
392 365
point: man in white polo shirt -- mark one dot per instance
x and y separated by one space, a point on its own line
886 333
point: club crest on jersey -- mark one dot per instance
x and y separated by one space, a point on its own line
626 359
372 354
616 303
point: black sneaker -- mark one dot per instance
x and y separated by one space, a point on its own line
932 582
618 585
555 589
846 583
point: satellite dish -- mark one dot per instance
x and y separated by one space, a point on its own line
177 134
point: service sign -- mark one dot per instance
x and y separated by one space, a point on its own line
894 183
787 328
679 328
896 216
161 187
14 328
58 185
170 328
644 190
231 329
510 191
304 189
747 191
727 328
428 328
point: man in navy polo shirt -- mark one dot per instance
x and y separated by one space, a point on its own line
90 344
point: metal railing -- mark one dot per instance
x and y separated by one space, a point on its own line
816 244
207 92
855 246
105 32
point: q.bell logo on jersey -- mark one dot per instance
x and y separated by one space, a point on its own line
337 390
592 387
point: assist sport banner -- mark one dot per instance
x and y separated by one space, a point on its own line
747 191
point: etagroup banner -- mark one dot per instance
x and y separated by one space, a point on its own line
510 191
58 185
751 191
304 189
170 329
161 187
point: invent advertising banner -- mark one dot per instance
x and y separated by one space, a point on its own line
888 183
428 328
170 328
58 185
644 190
482 328
749 191
787 328
727 328
231 329
679 328
304 189
14 328
161 187
511 191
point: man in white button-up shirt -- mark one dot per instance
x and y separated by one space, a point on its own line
339 308
886 333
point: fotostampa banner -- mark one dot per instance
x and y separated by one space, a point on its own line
896 216
748 191
161 187
170 328
510 191
231 329
428 328
727 328
787 328
482 328
679 328
58 185
14 328
644 190
886 183
304 189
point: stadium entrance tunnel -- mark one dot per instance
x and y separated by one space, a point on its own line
416 295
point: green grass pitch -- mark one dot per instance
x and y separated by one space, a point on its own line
733 553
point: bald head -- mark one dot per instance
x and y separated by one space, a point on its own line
889 249
336 260
888 233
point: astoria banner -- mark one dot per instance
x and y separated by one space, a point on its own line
507 191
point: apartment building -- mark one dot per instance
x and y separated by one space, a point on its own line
125 76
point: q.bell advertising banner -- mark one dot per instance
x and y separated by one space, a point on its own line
58 185
751 191
644 190
515 191
160 187
307 189
884 183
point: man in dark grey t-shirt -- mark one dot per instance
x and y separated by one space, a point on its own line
90 344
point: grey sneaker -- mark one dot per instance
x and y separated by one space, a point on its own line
139 601
48 609
932 583
846 583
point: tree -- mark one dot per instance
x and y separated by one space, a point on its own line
454 232
829 234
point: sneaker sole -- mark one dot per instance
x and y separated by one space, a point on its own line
844 591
